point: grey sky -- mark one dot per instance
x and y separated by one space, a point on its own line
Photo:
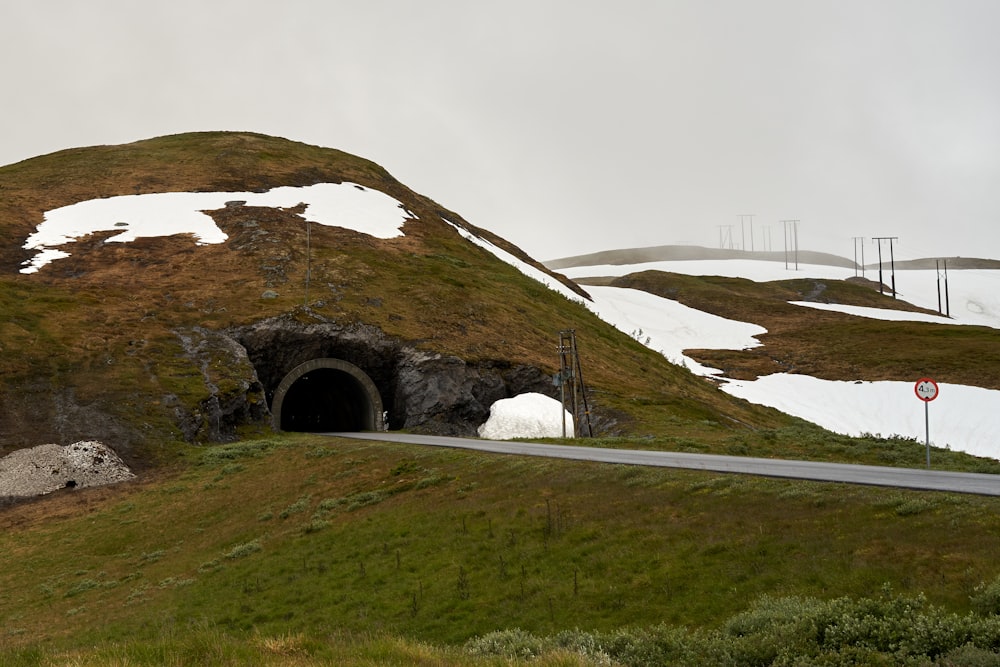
565 126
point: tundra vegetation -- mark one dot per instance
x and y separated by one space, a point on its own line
299 549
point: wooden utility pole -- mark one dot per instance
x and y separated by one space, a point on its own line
792 236
742 216
859 240
308 262
571 387
947 305
892 262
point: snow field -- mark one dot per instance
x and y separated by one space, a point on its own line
963 418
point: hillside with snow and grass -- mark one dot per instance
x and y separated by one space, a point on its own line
966 418
196 288
166 214
257 282
209 306
962 417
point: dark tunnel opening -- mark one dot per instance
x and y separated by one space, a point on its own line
325 400
327 395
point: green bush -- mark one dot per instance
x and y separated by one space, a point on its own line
511 644
243 550
791 631
986 599
239 450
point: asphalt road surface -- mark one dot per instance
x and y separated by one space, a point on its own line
905 478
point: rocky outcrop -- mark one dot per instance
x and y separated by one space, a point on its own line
420 390
234 394
448 396
39 470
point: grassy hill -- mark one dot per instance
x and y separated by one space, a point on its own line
119 341
292 549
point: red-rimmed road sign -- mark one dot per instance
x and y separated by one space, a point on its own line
926 389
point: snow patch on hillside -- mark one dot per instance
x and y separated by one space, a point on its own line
960 418
346 205
877 313
963 418
522 266
670 327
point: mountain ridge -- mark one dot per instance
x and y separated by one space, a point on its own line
672 253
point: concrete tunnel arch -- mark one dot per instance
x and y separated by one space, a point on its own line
327 395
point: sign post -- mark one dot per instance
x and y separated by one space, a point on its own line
926 390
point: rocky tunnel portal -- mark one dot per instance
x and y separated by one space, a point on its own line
322 376
327 395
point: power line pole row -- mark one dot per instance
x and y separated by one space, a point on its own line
726 235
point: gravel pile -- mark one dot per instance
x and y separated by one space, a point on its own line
46 468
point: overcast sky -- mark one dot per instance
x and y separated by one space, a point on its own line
565 126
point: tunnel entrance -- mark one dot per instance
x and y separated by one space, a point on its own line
327 395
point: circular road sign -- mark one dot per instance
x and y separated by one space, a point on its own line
926 389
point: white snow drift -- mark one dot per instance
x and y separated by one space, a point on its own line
669 326
526 416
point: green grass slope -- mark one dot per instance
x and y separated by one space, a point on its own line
288 549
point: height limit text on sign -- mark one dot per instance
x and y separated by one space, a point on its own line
926 389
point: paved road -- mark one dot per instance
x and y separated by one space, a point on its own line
907 478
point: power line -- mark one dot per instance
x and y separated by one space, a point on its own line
308 263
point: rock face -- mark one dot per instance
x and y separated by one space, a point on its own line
420 390
46 468
234 394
